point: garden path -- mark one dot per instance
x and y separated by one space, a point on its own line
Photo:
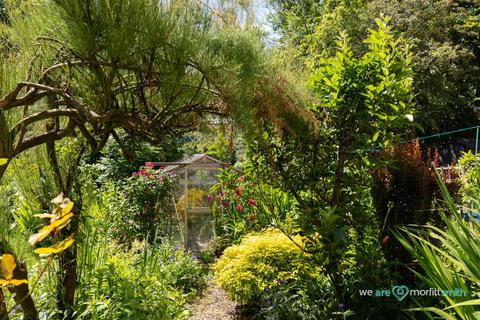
213 305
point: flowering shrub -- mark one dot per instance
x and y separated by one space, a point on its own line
137 205
235 202
262 261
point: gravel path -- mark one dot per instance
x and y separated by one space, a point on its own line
213 305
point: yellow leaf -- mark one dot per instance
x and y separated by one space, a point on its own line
17 282
3 161
53 226
59 247
13 282
40 235
61 223
8 265
66 207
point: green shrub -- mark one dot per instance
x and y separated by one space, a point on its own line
117 291
180 269
259 263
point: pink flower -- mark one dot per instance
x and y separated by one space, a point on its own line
251 202
209 198
238 192
241 178
150 165
149 186
239 208
135 174
225 203
219 198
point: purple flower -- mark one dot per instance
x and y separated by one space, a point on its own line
341 306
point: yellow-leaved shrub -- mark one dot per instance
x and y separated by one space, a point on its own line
261 261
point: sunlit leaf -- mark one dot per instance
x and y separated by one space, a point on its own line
12 282
40 235
45 216
61 223
66 207
3 161
8 265
65 244
58 200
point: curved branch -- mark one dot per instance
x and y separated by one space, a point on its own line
52 113
44 138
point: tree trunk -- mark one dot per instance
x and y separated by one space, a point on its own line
22 294
67 282
337 186
3 168
3 307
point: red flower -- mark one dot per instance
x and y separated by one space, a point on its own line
209 198
225 203
219 198
150 165
239 208
149 186
251 202
241 178
385 240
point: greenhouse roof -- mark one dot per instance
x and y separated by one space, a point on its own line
199 160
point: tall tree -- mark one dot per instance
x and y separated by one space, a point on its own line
442 33
360 104
88 68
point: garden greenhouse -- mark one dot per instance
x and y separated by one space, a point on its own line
196 175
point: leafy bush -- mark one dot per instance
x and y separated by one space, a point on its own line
469 165
137 206
117 291
261 261
147 281
180 269
303 299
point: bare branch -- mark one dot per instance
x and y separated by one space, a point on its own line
44 138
